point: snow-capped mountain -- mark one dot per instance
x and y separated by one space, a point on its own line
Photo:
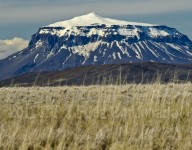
94 40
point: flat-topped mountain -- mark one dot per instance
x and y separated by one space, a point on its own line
93 40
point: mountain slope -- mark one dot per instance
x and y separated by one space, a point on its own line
93 40
106 74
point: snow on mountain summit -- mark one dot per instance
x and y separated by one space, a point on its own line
93 18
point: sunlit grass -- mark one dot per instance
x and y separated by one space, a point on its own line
153 116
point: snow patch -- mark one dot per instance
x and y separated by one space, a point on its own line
155 32
114 56
66 59
95 59
38 44
50 54
152 51
93 19
84 50
36 58
119 55
188 52
94 31
174 46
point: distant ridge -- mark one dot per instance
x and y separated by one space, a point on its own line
143 73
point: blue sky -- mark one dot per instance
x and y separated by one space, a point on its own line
22 18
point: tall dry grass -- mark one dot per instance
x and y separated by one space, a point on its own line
132 117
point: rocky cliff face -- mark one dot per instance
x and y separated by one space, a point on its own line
93 40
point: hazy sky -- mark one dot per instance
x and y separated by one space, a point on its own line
22 18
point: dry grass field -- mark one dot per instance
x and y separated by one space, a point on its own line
124 117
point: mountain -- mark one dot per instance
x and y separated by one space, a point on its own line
93 40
